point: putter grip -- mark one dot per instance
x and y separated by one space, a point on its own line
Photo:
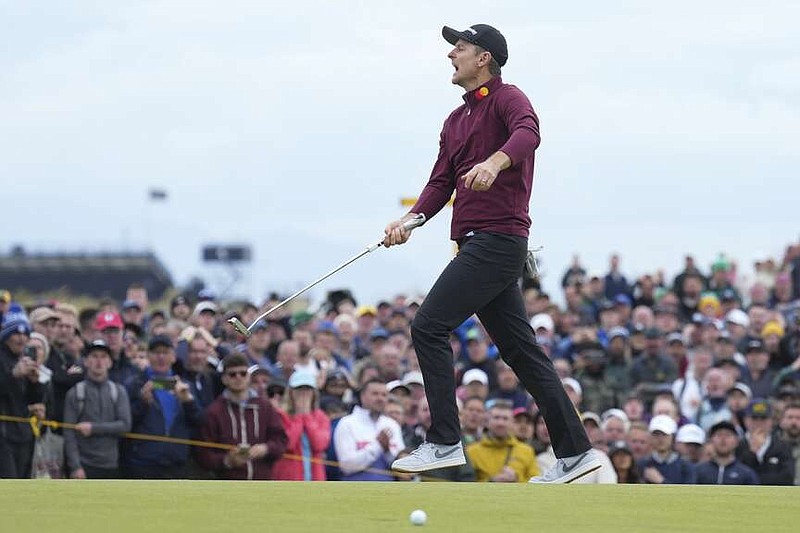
415 222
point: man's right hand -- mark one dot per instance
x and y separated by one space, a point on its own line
395 233
78 474
383 438
24 367
146 393
506 475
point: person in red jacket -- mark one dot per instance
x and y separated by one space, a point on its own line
308 429
240 417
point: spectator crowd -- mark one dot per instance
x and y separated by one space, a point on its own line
694 380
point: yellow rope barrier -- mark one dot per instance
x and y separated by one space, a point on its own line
35 424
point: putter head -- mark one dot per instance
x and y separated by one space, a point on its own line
239 326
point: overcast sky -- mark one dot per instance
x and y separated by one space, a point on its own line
297 127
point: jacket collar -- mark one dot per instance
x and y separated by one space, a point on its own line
473 97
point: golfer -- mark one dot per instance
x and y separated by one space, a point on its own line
486 155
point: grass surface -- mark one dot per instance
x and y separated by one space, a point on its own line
209 506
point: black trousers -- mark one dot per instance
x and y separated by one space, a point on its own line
15 459
178 471
94 472
483 278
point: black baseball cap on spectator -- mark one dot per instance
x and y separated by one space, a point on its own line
787 391
727 362
276 386
159 340
482 35
754 345
727 295
98 345
725 424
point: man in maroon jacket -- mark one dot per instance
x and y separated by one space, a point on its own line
241 418
486 157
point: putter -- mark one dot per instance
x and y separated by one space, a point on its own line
246 330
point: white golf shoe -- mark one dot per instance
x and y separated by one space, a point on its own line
568 469
430 456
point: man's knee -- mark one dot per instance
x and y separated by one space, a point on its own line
424 327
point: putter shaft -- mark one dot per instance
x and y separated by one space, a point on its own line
239 325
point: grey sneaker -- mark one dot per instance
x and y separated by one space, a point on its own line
568 469
430 456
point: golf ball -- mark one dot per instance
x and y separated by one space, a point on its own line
418 517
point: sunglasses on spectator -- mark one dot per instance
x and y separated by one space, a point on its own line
236 373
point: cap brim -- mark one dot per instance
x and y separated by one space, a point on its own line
452 36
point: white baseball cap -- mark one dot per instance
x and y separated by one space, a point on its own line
664 424
691 434
413 378
573 384
543 320
739 317
475 374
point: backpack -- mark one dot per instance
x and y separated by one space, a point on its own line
80 394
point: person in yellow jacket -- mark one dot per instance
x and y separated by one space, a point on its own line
499 456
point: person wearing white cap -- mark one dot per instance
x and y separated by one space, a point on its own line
664 465
205 315
574 391
308 429
689 443
475 383
737 323
543 326
615 425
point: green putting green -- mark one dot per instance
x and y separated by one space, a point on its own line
215 506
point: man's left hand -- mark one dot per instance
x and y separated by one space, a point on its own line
481 177
182 391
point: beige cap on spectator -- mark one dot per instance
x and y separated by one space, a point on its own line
42 314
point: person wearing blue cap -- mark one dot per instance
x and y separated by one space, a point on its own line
486 156
21 394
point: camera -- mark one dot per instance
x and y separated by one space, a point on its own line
167 383
30 351
243 449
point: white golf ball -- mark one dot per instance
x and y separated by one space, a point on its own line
418 517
